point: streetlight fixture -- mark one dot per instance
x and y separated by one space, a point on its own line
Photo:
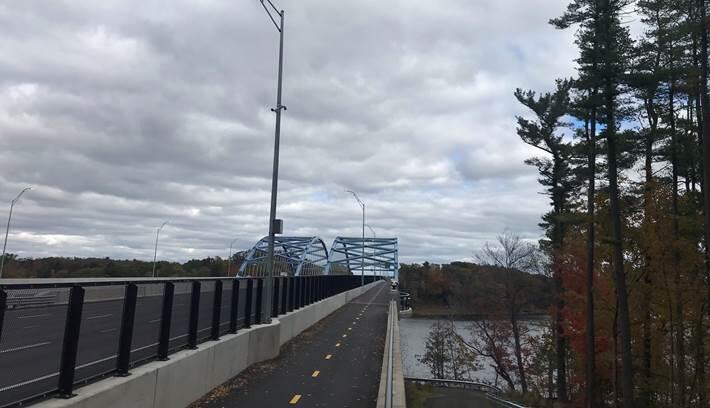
229 262
273 227
155 254
7 229
362 264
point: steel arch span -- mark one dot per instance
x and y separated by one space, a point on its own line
377 256
293 256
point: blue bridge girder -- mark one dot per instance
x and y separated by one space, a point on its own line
293 256
308 256
377 256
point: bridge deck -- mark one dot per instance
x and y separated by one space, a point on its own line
335 363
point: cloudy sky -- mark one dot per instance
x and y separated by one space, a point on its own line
121 114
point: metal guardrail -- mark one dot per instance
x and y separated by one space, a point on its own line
461 384
68 311
503 402
15 302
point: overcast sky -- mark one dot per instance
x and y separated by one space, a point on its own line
121 114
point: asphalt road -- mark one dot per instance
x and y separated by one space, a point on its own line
335 363
31 343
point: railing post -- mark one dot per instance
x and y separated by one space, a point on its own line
291 293
284 295
217 310
299 292
70 346
3 305
247 306
194 315
275 299
126 336
166 318
234 307
311 292
259 300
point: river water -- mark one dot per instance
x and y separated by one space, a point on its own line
413 333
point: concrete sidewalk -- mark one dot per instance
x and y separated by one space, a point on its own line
335 363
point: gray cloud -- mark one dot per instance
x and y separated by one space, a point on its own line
122 114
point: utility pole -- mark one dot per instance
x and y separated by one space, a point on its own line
362 264
374 234
7 229
268 287
155 254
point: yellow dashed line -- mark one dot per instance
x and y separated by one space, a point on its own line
350 328
295 399
315 374
328 357
337 344
345 335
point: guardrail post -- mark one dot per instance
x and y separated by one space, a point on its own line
70 346
234 307
3 305
259 300
126 336
311 291
284 295
247 307
275 299
166 318
291 293
194 315
299 292
217 310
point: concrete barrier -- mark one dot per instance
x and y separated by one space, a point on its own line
397 399
190 374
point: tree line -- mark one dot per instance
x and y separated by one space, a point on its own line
625 160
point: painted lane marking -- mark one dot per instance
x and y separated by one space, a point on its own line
98 317
107 330
328 357
350 328
31 327
154 321
315 374
10 350
345 335
295 399
33 316
337 344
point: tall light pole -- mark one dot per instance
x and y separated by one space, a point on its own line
155 254
362 272
275 173
374 234
229 262
7 229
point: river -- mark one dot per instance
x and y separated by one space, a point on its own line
413 333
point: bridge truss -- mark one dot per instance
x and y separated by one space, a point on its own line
293 256
378 256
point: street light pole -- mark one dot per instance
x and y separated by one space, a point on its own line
229 262
362 264
275 173
155 254
7 228
375 235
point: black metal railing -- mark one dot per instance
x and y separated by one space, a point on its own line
59 335
404 301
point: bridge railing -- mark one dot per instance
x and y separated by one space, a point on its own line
58 334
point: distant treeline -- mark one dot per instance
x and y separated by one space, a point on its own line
467 289
57 267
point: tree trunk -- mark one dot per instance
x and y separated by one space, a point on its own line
618 250
590 394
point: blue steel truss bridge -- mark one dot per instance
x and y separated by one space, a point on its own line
308 256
